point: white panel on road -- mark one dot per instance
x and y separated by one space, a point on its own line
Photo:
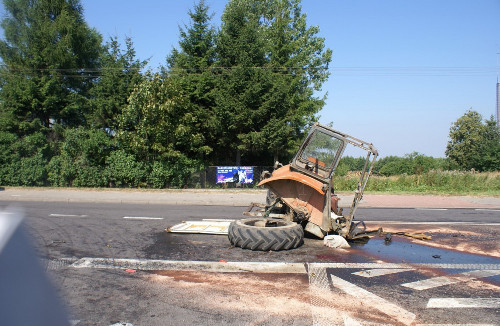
381 271
451 279
205 227
464 303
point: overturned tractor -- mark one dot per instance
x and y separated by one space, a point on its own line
301 196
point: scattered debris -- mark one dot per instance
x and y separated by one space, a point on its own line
419 236
130 270
436 256
388 237
335 241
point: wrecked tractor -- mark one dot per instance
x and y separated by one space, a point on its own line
301 196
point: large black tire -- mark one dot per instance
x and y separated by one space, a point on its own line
276 235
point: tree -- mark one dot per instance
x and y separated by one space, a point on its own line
271 65
474 145
189 66
156 128
49 59
120 73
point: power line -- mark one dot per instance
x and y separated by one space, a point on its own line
334 71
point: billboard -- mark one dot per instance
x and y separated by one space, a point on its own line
237 174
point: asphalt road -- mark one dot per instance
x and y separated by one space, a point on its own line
114 263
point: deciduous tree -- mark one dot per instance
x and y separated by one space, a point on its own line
474 144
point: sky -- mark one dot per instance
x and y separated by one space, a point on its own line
401 73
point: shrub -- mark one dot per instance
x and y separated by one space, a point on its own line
123 170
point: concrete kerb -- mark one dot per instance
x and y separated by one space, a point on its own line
231 197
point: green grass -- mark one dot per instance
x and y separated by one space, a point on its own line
432 182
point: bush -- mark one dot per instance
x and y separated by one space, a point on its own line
122 170
160 175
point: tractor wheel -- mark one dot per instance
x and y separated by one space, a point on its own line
265 234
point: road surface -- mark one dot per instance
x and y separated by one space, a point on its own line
114 263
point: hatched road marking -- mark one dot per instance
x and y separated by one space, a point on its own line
381 271
464 303
451 279
321 280
388 308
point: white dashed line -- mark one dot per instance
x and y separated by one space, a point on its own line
487 210
464 303
67 215
142 218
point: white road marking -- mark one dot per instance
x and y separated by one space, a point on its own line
456 325
487 209
318 279
67 215
381 271
394 311
450 279
433 223
142 218
464 303
414 266
208 266
273 267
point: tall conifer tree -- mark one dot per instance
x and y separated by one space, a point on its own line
49 57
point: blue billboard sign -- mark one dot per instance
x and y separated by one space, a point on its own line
237 174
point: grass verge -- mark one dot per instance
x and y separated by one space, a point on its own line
432 182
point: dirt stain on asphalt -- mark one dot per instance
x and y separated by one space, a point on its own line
266 294
471 239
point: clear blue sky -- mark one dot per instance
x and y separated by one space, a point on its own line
402 71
